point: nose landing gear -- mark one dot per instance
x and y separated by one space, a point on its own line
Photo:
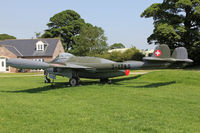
47 80
74 80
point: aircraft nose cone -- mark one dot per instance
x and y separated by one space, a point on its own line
14 62
26 64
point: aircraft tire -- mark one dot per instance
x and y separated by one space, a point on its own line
104 81
47 80
73 82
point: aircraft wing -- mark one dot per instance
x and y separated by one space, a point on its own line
70 66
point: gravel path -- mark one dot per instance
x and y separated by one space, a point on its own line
7 76
138 73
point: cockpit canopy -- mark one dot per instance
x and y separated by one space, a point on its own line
61 58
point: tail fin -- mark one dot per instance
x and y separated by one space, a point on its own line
181 55
161 53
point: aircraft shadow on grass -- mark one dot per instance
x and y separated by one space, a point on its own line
155 85
60 85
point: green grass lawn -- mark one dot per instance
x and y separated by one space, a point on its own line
160 101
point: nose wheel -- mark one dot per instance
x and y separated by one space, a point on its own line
47 80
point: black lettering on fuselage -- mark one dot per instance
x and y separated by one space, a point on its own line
113 66
121 66
129 66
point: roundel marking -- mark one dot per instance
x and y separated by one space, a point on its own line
157 52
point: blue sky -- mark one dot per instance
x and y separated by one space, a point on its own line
120 20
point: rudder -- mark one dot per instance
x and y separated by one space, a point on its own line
161 53
181 55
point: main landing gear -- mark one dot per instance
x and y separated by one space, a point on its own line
74 81
105 80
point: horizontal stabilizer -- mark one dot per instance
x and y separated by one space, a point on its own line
159 59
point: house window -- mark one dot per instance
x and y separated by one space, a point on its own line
40 46
40 60
3 66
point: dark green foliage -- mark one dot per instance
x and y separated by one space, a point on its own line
78 37
116 56
38 34
65 25
130 54
6 36
90 41
137 56
176 23
117 45
150 54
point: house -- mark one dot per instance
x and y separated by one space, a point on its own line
147 52
35 49
122 50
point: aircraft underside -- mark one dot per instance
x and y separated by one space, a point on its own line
75 76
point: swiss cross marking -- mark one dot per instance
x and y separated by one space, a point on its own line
157 52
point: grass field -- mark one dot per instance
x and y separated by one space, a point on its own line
161 101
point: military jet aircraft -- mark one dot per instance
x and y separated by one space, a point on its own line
75 67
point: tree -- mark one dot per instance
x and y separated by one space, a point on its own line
64 25
117 45
6 36
38 34
138 56
176 23
78 37
90 41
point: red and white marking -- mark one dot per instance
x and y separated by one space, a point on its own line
157 52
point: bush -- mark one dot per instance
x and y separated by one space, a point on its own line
137 56
130 54
6 36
